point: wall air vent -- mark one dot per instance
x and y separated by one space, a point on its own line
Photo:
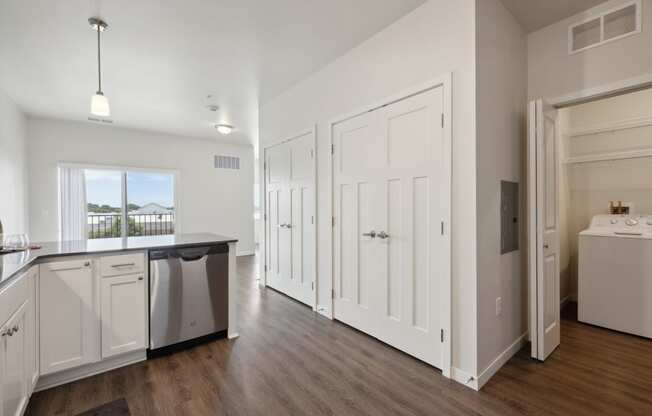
227 162
613 24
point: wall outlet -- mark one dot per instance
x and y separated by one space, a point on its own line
499 306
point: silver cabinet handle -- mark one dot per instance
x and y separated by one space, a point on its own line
86 264
546 246
16 328
282 225
288 225
383 235
371 234
123 265
140 277
6 333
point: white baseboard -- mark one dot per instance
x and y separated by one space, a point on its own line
245 253
52 380
325 311
499 361
464 378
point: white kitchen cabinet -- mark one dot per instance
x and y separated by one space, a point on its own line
14 389
69 315
123 314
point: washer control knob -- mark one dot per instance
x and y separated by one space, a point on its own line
631 222
614 221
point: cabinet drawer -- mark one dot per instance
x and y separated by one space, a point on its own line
122 264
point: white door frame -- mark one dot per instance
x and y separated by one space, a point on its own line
567 100
445 81
313 132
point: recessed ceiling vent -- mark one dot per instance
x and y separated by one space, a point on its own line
613 24
100 120
227 162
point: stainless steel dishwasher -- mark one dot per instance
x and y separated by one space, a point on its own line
188 291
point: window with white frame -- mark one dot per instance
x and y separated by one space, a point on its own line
109 203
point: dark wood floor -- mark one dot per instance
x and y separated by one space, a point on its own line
290 361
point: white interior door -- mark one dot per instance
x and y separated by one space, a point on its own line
290 218
357 159
389 205
543 229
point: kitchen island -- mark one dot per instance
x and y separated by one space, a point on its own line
72 309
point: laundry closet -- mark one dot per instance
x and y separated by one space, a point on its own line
605 211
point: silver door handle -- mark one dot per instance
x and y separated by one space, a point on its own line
16 328
288 225
371 234
383 235
282 225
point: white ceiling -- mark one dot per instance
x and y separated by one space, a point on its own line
162 57
536 14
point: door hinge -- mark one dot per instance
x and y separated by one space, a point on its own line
265 216
312 284
265 268
333 221
332 293
312 219
312 154
441 335
442 228
442 120
264 165
332 149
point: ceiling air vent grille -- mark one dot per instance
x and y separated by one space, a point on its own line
227 162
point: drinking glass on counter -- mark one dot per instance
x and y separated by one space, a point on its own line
16 241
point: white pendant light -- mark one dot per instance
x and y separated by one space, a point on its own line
99 103
224 128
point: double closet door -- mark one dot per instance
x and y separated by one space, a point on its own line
290 218
389 203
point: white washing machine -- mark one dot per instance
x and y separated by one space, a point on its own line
615 273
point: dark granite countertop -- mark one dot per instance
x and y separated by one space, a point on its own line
12 264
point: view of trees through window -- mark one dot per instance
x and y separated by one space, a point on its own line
129 203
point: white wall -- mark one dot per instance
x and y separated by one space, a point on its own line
211 200
590 186
435 39
13 167
501 133
552 72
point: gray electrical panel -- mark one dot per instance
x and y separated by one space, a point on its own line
509 212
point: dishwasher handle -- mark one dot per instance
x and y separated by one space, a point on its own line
192 258
188 254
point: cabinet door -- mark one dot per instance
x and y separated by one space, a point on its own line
123 314
13 370
69 319
31 330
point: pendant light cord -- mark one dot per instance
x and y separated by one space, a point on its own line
99 61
